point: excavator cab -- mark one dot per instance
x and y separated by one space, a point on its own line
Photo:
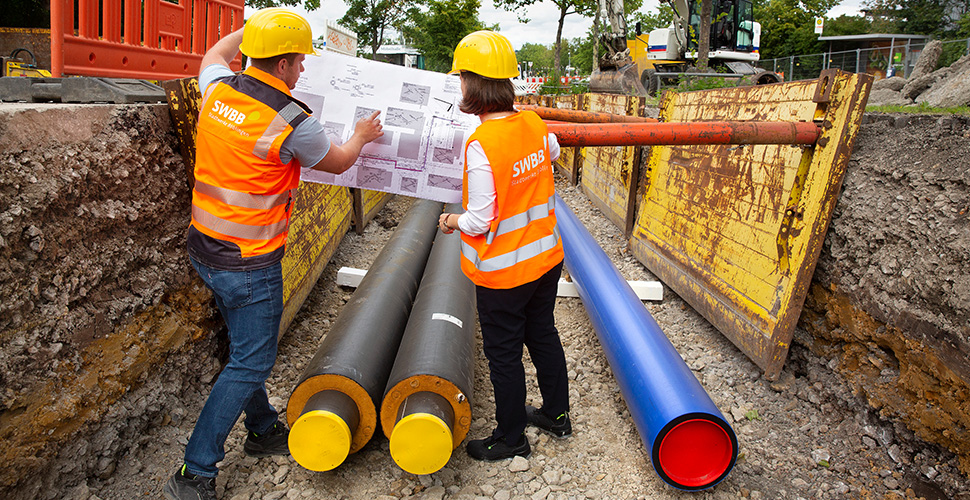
733 30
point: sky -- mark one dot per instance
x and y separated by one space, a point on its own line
541 29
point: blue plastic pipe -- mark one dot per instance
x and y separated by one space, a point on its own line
692 447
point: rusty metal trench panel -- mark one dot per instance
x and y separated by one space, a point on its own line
321 217
609 173
367 203
570 159
321 213
737 230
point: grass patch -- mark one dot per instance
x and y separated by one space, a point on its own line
921 109
688 84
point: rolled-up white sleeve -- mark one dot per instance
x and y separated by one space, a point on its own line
480 212
554 150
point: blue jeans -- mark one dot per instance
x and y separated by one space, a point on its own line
251 303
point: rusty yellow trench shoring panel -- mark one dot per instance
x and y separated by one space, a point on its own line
570 161
321 213
736 230
610 174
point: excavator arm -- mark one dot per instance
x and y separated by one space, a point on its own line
617 73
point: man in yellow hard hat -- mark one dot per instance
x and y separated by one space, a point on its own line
253 138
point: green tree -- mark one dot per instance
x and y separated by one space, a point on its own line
963 27
566 7
437 31
650 21
541 57
371 19
919 17
25 14
581 50
788 26
847 25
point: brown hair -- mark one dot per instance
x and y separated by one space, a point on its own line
486 95
268 64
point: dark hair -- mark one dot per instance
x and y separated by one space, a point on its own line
268 64
486 95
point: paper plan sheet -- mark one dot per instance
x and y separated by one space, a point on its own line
424 132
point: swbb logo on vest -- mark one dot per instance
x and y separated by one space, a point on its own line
528 163
228 112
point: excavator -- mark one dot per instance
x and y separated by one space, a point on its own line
634 65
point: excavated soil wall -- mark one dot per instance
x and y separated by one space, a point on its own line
101 320
888 303
103 324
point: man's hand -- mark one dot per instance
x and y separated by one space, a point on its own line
342 157
369 128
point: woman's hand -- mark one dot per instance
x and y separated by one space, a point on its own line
443 223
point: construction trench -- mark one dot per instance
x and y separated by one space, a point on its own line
110 342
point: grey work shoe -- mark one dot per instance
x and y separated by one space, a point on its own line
558 427
187 486
274 442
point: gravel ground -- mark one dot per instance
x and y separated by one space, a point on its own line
804 436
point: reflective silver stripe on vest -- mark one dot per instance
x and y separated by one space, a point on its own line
520 220
245 200
236 229
512 258
276 127
206 93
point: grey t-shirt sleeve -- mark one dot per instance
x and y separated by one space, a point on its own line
308 143
212 72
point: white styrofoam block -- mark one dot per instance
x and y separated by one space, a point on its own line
645 290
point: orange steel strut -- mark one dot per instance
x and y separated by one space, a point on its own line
652 134
572 115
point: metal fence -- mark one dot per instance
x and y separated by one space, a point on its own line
881 61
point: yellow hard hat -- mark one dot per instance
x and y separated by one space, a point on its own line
274 31
486 53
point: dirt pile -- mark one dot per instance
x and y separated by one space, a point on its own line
888 301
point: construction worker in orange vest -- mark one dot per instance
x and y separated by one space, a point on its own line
510 246
253 139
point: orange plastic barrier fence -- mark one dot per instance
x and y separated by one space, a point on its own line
145 39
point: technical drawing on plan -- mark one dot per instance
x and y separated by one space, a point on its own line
424 132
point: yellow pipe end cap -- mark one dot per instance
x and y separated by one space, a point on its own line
320 440
421 443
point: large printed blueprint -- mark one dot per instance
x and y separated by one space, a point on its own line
424 132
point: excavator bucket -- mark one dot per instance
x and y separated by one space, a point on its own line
622 80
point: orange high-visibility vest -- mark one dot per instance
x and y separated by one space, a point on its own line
243 193
523 242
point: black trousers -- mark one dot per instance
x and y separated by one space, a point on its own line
511 318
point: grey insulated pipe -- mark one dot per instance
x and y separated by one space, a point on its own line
332 412
426 410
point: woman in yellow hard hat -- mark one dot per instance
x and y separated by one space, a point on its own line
510 246
253 139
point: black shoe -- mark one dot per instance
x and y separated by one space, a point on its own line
492 448
558 427
186 486
274 442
